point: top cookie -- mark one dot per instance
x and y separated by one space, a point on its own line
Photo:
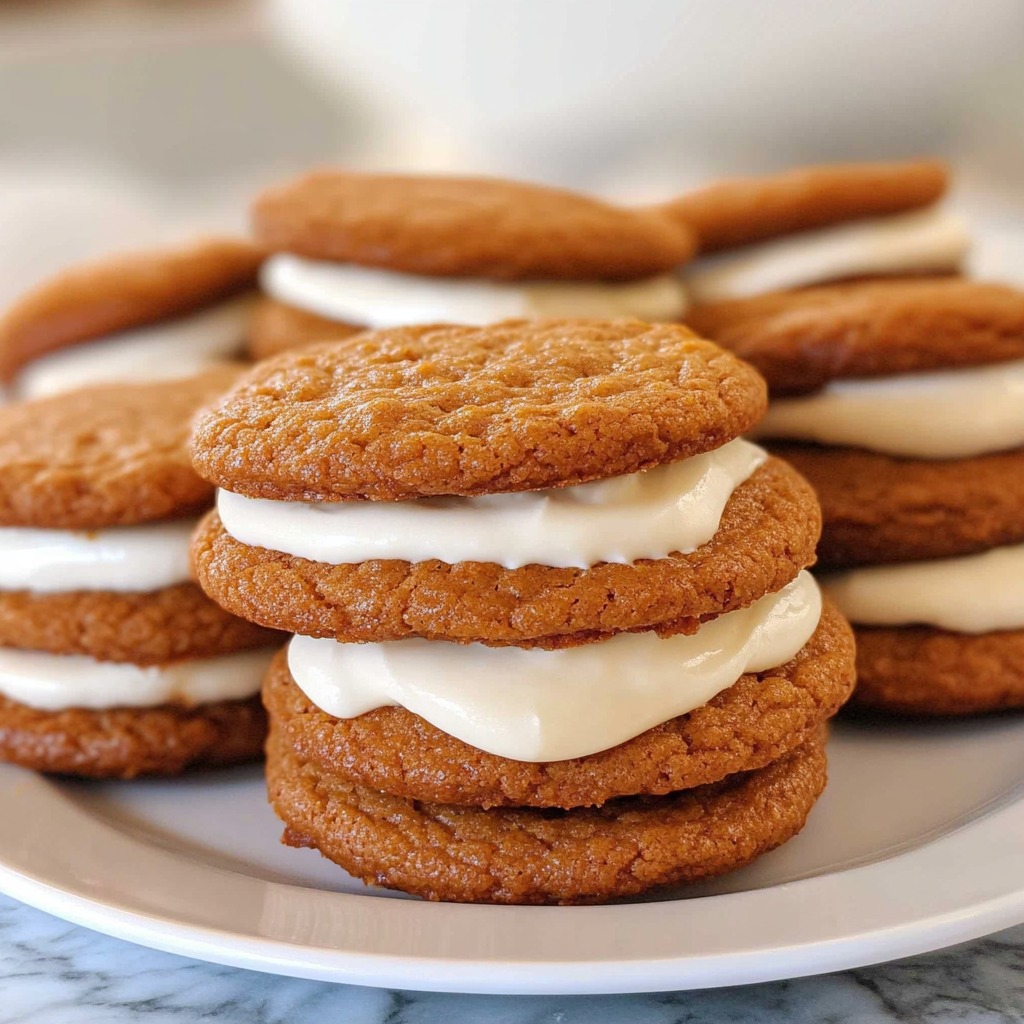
104 456
800 340
467 227
119 292
517 406
742 210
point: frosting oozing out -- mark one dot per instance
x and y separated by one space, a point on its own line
385 298
946 414
927 241
167 350
973 594
537 705
125 559
674 507
54 682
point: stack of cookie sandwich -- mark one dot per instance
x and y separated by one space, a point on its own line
555 638
113 663
355 251
902 401
167 313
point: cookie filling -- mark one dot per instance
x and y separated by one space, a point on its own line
385 298
168 350
537 705
673 507
973 594
920 242
946 414
55 682
125 559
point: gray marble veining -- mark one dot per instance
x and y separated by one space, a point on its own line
55 973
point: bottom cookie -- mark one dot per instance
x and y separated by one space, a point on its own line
541 856
919 670
126 742
276 327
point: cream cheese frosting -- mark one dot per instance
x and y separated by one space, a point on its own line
384 298
972 594
946 414
926 241
55 682
125 559
167 350
674 507
537 705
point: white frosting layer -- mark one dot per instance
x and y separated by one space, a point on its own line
948 414
123 558
923 241
974 594
676 507
384 298
535 705
167 350
53 682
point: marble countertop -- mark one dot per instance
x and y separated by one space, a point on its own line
55 973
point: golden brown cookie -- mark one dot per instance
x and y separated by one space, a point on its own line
919 670
466 227
877 508
742 210
529 855
128 290
755 721
125 742
144 629
767 534
276 327
105 456
800 340
521 405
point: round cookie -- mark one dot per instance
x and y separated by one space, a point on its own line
757 720
277 327
919 670
802 339
520 405
128 290
533 856
767 534
877 508
738 211
466 227
123 743
105 456
178 622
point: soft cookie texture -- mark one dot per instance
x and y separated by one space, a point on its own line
123 743
757 720
532 855
800 340
124 291
277 327
417 411
105 456
466 227
742 210
921 670
767 534
884 509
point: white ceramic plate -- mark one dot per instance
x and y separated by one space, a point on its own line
917 843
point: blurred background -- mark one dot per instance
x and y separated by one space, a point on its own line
125 121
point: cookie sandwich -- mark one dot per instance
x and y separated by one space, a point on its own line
356 251
555 638
166 313
113 663
818 224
